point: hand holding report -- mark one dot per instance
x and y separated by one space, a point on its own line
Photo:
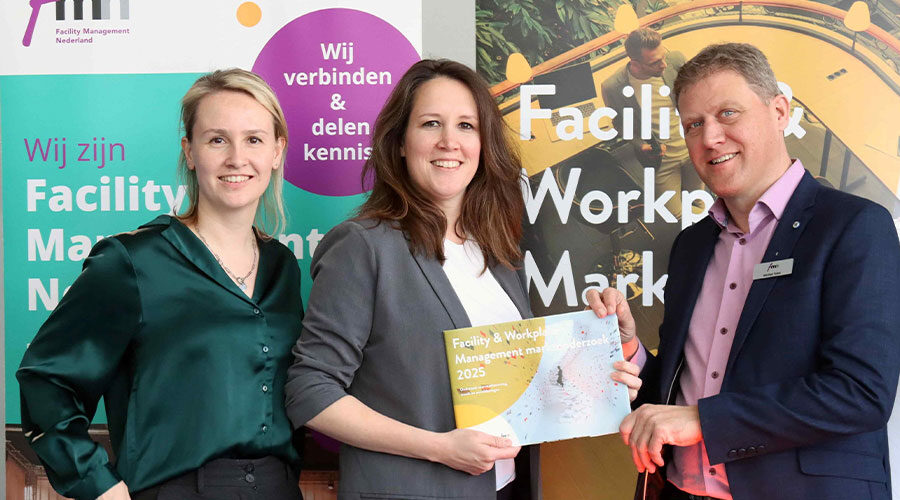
537 380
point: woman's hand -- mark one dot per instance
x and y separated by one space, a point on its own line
118 492
611 301
628 374
473 451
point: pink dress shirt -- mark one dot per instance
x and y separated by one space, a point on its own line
715 318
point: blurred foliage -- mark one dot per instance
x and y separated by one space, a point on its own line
540 29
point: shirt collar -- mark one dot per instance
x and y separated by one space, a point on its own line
772 202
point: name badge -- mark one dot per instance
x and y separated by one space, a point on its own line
773 269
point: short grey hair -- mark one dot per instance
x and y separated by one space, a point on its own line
742 58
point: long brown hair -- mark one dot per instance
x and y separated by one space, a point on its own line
492 206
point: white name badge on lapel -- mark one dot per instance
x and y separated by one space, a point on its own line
773 269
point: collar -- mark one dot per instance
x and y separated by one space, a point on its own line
772 202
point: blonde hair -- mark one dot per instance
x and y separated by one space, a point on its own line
270 214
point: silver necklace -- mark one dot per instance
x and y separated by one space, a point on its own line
240 280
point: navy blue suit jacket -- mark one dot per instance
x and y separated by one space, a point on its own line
812 373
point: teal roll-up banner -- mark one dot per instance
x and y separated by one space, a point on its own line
89 103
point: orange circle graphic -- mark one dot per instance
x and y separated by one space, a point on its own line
248 14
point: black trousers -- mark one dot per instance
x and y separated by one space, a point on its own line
506 493
230 479
671 492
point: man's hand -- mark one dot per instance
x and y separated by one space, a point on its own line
650 427
611 301
628 374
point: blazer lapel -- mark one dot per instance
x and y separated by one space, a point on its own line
793 222
436 277
701 248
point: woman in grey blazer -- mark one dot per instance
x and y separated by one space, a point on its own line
434 246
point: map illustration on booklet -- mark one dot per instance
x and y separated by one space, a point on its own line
537 380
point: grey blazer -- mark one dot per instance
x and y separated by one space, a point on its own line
374 329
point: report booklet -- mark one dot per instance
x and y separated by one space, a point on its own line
537 380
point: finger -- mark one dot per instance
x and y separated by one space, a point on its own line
633 383
500 442
626 428
637 460
640 442
616 301
490 439
655 449
627 367
619 305
640 435
638 455
595 302
637 421
644 456
626 320
509 452
624 310
612 298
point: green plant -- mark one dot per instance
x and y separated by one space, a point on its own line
541 29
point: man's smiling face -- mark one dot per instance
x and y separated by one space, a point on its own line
735 138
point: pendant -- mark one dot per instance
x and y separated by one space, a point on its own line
241 284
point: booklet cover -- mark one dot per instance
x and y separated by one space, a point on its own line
537 380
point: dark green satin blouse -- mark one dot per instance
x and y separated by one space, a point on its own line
191 368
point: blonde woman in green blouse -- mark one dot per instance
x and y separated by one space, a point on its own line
184 326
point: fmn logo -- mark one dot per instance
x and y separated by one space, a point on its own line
97 9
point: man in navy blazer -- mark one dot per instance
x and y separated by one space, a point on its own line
780 344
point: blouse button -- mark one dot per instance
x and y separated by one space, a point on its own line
264 428
715 375
732 286
256 311
723 331
265 348
265 388
742 241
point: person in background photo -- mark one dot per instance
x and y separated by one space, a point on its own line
184 326
651 63
434 247
777 364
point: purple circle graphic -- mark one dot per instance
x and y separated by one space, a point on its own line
332 70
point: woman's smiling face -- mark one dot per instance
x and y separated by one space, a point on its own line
233 151
442 143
